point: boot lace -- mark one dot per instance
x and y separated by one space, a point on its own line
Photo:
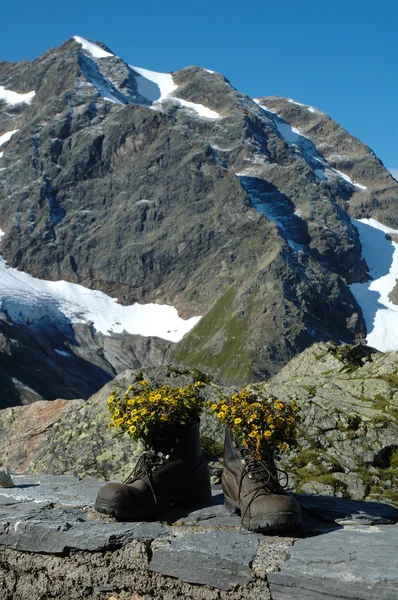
147 465
264 476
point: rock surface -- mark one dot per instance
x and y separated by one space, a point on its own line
347 436
355 562
53 543
223 217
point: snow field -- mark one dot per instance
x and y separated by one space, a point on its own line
13 98
381 256
29 300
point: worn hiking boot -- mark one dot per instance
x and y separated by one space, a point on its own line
252 490
173 471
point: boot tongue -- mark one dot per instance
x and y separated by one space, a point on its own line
259 469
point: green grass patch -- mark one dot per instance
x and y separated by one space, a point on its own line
232 360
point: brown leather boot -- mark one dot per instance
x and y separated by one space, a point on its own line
173 471
251 489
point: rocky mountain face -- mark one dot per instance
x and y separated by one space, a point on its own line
177 190
346 443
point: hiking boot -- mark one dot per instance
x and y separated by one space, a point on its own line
173 471
252 490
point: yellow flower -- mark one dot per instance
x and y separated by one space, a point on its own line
267 433
214 406
237 421
278 405
220 414
132 429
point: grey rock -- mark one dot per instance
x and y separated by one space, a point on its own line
357 562
220 559
47 525
60 537
347 512
346 437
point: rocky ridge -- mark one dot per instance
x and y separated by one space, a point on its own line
347 436
234 209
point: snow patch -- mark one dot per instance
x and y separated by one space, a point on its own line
200 109
309 108
394 173
381 256
91 48
63 353
274 210
349 180
289 133
270 110
154 86
14 98
7 136
29 300
159 87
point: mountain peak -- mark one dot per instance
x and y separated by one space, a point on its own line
175 189
97 50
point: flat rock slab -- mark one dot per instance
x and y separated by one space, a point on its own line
359 563
345 546
221 559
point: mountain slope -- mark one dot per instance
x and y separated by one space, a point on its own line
178 190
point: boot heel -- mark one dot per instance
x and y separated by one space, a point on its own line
196 496
234 510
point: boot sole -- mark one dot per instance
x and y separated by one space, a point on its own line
139 513
271 522
195 498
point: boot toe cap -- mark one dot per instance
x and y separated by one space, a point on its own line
272 511
116 499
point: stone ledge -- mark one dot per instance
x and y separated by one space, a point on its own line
347 546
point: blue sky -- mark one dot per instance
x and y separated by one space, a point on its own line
338 55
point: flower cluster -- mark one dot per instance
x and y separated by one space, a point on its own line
142 411
258 423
